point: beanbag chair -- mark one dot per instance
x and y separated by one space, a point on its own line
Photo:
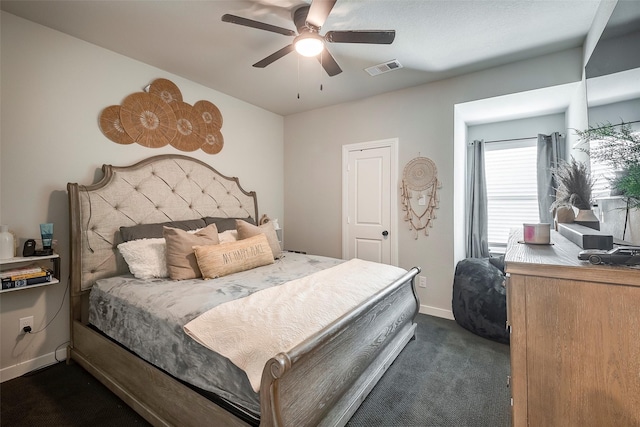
480 298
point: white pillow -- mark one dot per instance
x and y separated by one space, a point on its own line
228 236
146 258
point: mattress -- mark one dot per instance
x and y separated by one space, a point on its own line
147 317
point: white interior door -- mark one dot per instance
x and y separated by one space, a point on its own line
369 230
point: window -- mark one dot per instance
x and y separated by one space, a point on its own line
512 195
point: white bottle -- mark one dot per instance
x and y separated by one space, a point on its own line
7 244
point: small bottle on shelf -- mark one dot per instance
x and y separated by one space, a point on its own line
7 243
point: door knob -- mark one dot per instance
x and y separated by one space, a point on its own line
385 233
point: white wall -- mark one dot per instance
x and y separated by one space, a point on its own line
605 9
615 113
53 89
422 118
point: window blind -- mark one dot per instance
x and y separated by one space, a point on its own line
512 198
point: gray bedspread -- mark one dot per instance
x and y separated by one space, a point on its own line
147 317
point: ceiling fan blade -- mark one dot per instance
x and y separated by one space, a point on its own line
256 24
373 37
274 56
318 12
329 63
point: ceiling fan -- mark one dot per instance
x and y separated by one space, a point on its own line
308 41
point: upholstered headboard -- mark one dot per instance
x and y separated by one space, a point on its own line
159 189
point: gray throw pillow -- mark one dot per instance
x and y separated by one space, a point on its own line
152 231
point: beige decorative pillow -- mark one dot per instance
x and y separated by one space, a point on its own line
181 261
246 230
226 258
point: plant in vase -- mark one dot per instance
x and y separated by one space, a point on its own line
574 186
619 148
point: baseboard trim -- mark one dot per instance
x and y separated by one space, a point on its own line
437 312
19 369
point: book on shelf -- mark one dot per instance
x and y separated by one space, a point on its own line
40 273
22 283
27 269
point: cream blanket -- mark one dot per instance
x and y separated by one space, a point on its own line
249 331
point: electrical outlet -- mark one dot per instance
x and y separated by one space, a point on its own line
422 281
24 322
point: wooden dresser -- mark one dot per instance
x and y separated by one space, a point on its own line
575 337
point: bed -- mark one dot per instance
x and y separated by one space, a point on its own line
320 380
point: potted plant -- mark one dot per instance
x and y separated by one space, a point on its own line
619 148
574 186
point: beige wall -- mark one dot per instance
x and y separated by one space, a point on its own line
422 118
53 90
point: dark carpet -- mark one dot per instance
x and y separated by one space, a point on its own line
447 376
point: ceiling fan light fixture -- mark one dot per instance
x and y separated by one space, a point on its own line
308 20
308 45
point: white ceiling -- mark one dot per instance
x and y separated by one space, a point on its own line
435 39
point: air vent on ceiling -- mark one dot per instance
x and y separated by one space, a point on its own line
383 68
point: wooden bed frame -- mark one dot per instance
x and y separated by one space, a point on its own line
322 381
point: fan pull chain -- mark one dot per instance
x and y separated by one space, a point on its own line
321 52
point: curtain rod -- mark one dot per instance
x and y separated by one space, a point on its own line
535 137
509 139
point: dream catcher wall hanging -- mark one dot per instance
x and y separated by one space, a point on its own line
419 194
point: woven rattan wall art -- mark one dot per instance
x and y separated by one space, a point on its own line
419 194
159 116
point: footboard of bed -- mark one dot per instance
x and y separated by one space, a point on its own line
321 382
156 396
324 379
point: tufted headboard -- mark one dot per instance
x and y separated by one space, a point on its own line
159 189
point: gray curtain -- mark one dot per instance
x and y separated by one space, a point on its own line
477 240
551 149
